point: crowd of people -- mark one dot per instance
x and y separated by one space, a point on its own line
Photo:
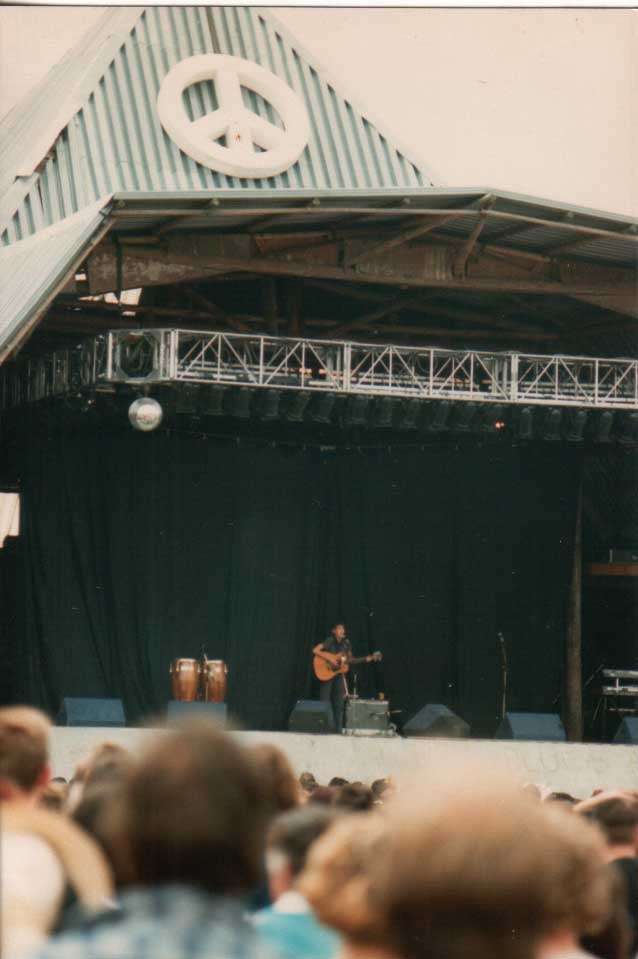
200 847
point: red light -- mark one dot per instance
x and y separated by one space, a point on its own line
499 425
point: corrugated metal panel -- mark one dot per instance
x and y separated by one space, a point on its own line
32 271
111 139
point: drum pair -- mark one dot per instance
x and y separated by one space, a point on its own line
193 679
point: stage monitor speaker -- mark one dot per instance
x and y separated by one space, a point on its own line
435 719
180 710
85 711
533 727
627 732
311 716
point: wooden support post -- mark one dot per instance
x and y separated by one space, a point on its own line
269 304
573 712
294 301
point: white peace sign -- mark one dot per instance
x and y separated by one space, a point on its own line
243 129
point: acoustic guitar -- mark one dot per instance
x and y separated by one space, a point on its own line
329 665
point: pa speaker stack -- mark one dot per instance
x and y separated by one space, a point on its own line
436 720
627 731
85 711
532 727
311 716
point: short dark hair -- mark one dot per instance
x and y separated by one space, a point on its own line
617 816
338 781
293 833
355 797
194 811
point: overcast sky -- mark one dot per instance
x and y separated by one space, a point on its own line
534 101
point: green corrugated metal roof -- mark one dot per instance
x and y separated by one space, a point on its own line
33 270
92 126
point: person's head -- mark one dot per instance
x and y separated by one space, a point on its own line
616 814
53 797
193 811
337 782
24 753
339 632
354 797
106 764
308 782
277 777
322 796
288 842
454 876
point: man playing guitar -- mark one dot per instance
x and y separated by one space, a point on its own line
335 690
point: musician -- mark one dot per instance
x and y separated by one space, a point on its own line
335 690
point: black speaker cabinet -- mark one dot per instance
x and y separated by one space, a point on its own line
534 727
627 732
177 710
311 716
435 719
85 711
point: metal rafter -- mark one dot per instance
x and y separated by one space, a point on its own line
145 357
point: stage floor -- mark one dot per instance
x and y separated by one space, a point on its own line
577 768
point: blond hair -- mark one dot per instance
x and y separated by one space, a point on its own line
480 873
24 745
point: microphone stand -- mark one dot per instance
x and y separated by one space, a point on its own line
501 640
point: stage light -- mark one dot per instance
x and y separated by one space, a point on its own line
297 406
383 410
269 406
577 424
441 415
525 426
357 411
323 406
629 434
145 414
551 428
603 426
213 401
187 397
464 414
492 419
410 411
242 400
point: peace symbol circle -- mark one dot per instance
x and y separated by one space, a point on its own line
244 131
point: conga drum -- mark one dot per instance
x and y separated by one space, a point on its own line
185 679
214 673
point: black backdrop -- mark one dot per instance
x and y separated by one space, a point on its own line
137 549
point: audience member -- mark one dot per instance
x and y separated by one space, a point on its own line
354 797
308 783
188 840
616 814
278 780
289 924
40 854
24 754
322 796
483 873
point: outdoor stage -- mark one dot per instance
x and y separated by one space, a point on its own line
576 768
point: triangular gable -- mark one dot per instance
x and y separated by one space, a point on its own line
104 135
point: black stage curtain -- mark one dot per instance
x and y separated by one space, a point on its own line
140 548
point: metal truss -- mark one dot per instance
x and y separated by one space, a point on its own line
146 357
